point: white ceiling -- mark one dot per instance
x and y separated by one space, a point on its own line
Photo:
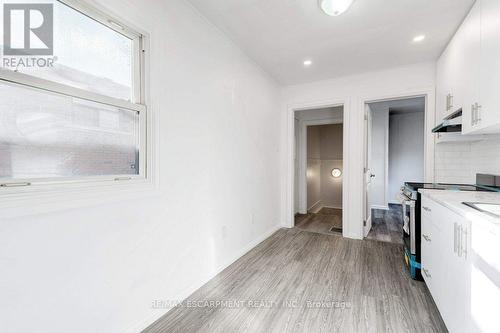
374 34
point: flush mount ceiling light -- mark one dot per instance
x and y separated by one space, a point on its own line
307 63
336 173
418 38
335 7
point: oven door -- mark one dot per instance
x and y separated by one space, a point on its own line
409 237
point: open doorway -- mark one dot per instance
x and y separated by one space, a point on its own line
395 154
319 170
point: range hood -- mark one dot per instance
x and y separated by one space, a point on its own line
450 124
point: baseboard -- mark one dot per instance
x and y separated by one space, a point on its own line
140 325
332 206
320 205
315 207
366 231
381 207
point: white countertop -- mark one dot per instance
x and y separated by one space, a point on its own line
453 200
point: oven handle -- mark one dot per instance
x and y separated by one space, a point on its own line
405 201
413 240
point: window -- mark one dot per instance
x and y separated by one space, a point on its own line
83 116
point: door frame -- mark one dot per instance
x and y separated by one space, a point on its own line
353 153
429 122
289 193
367 150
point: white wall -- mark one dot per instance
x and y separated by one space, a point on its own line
324 152
406 151
313 166
309 117
331 145
460 162
379 158
353 92
97 267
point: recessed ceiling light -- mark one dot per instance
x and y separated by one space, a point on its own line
308 63
419 38
335 7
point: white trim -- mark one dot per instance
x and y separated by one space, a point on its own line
30 81
316 207
53 194
326 205
386 162
109 20
288 206
101 16
368 227
140 325
379 207
430 114
353 154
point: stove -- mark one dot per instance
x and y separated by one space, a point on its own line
410 200
411 189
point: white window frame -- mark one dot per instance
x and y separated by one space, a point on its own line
137 104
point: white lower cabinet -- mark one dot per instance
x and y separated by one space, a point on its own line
432 269
456 275
461 267
446 263
484 283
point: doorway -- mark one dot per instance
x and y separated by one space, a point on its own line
319 170
395 154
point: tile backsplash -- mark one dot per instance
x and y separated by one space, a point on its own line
458 162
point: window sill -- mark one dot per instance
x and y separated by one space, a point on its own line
39 199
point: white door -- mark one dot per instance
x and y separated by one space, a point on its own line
367 218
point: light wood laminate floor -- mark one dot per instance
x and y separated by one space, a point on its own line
387 225
326 221
300 267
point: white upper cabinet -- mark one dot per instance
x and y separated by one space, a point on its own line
444 81
470 34
454 70
468 71
488 113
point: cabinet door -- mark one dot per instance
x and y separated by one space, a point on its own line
469 69
489 111
432 259
484 281
455 295
427 252
446 263
444 82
